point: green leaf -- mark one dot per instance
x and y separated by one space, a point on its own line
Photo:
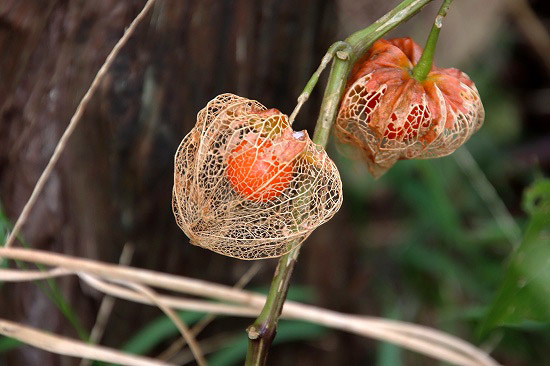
4 233
441 264
158 331
389 354
524 295
537 197
7 344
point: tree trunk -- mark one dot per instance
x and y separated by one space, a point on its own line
113 182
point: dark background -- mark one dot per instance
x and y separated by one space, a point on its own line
419 244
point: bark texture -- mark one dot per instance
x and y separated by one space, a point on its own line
113 183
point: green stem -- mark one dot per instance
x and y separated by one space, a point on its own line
361 41
262 332
333 93
424 65
335 48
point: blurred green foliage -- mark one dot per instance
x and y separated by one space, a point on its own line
7 344
524 296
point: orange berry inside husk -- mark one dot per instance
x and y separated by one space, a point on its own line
255 173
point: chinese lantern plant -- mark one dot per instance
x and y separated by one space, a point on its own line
247 186
397 105
240 174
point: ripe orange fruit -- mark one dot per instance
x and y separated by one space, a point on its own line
256 173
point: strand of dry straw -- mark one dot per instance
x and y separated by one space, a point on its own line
417 338
107 304
183 329
177 345
70 347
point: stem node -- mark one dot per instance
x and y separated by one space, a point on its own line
253 333
342 55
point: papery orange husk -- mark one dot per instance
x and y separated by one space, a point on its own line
388 115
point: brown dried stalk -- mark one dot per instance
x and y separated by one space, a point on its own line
70 347
414 337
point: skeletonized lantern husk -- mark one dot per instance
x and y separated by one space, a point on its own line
246 185
388 115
